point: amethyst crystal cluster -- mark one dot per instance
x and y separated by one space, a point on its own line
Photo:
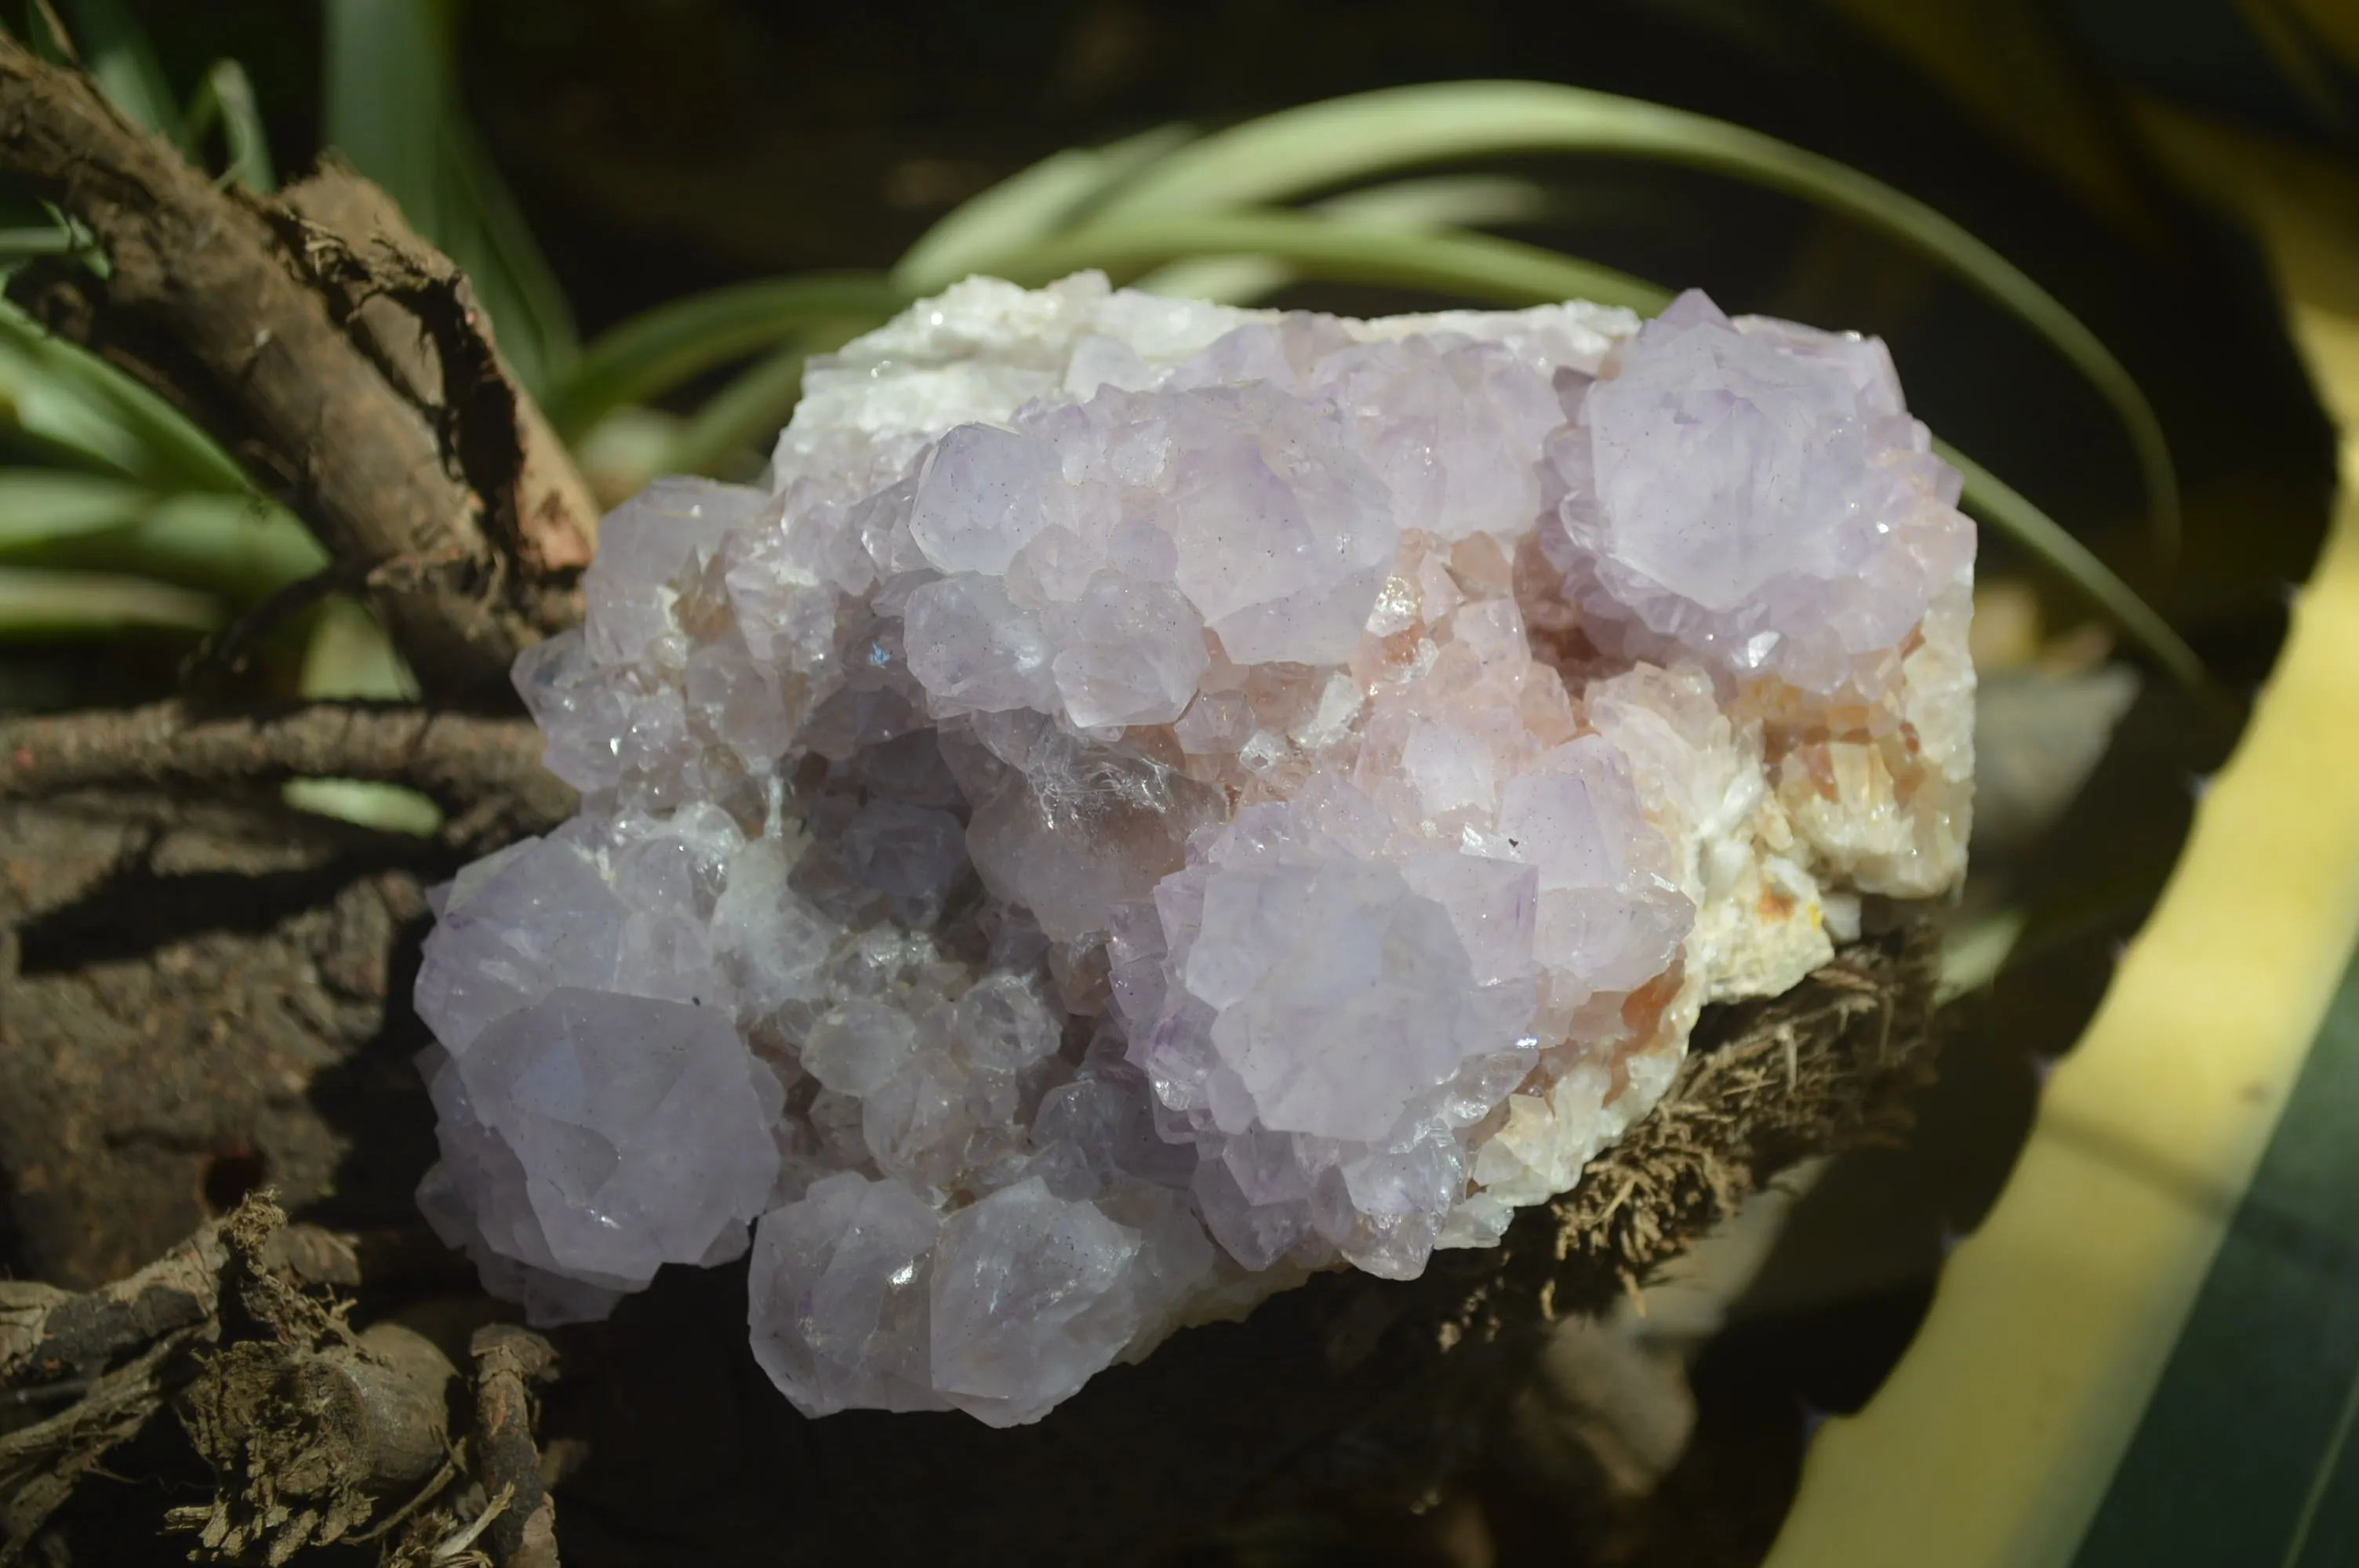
1154 799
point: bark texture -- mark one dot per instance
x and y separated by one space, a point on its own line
405 447
484 774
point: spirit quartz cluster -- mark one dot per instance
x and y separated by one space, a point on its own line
1155 799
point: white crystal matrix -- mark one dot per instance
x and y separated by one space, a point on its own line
1155 799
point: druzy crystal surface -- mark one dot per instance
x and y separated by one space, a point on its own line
1152 800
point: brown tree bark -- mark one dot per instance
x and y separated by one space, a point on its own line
408 448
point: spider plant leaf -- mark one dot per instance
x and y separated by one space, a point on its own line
1478 266
1992 500
39 506
1221 280
1439 202
743 416
123 61
18 244
225 97
747 414
1285 155
241 547
385 90
1024 208
1974 953
82 408
652 353
349 657
35 605
490 238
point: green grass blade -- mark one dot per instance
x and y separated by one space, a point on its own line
123 61
350 657
743 416
241 549
1223 280
1024 208
491 240
37 505
1476 266
23 245
1974 954
38 605
748 414
1439 202
384 92
75 402
650 355
1442 201
226 97
1287 154
1993 501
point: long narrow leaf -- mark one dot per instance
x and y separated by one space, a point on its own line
1024 208
123 61
35 605
66 396
741 414
38 506
650 355
21 245
1222 280
226 96
1972 955
491 239
1289 154
1478 266
1440 202
384 92
1991 498
238 547
349 657
748 413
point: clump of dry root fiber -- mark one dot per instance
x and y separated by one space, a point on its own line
316 1432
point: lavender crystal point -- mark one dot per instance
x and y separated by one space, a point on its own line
1157 799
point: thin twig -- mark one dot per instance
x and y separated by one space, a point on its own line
485 773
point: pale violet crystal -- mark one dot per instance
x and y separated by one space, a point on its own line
1755 493
1153 800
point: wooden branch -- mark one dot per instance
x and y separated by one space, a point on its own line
274 303
484 774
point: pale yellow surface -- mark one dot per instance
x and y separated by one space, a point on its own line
1991 1444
